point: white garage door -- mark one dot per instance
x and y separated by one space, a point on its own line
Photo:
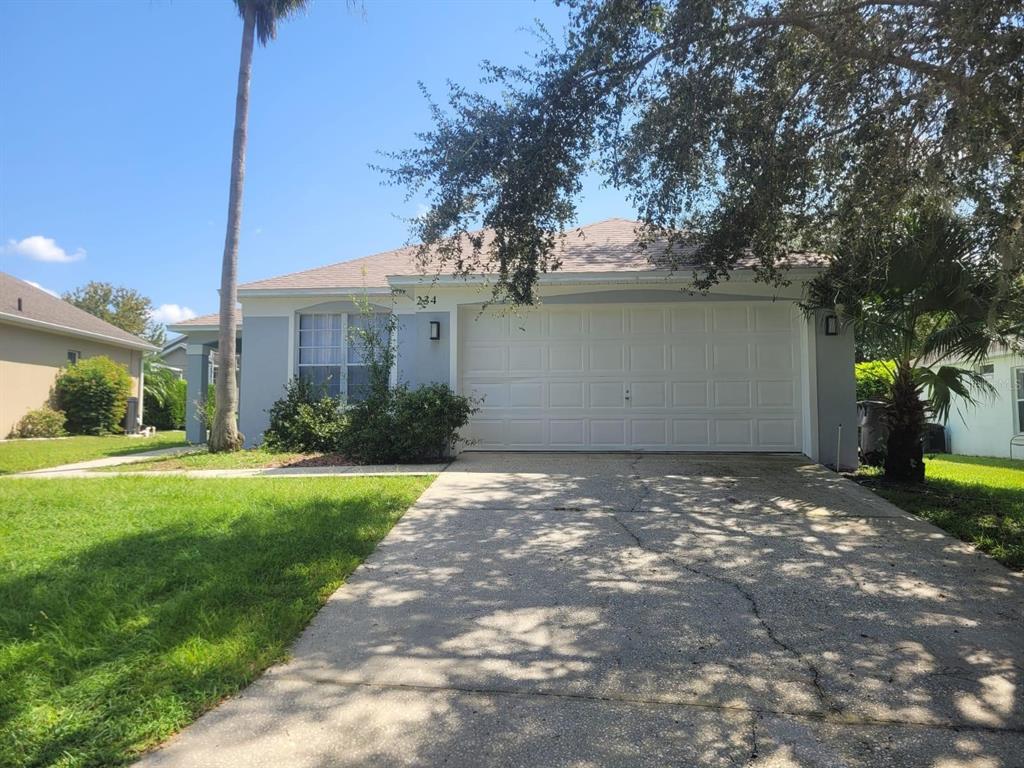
717 376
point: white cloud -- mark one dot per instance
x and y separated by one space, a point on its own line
169 314
39 248
42 288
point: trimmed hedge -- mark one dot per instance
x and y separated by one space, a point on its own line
874 379
93 393
42 422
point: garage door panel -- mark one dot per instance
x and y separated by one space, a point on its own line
607 432
565 357
773 356
566 394
689 394
730 356
731 394
646 357
567 433
690 357
689 319
647 394
607 356
606 394
730 317
780 432
692 434
647 321
607 322
734 433
709 376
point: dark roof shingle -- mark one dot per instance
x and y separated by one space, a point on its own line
38 306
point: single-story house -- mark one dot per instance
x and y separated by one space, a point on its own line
172 355
40 334
195 352
989 426
618 355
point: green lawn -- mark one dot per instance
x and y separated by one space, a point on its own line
130 605
976 499
248 459
23 455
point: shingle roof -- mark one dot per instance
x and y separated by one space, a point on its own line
211 319
41 308
607 246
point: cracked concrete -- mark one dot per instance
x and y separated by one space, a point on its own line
600 609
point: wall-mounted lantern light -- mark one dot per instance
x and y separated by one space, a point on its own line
831 325
435 330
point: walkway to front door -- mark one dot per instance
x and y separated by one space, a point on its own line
645 610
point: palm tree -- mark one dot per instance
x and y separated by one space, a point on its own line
259 20
928 294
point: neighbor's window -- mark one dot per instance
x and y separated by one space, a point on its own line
320 351
1019 376
986 370
74 356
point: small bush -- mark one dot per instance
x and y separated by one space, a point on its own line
42 422
874 380
428 420
405 425
304 420
168 413
93 393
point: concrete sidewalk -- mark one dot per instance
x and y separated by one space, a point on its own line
626 610
108 461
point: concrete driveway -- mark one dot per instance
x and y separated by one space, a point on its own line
654 610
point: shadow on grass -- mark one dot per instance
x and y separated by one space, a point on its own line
990 518
108 651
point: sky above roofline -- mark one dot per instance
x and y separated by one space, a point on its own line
114 158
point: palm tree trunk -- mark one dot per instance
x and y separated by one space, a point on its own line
904 456
225 435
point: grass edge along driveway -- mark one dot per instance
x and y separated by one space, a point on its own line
979 500
26 455
129 606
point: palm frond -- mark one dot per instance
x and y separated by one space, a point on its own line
944 383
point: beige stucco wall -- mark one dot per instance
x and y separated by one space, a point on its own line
30 360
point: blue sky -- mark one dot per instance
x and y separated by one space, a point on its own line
115 134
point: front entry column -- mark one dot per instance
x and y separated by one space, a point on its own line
197 374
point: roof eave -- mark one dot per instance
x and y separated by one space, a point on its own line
593 278
278 293
30 322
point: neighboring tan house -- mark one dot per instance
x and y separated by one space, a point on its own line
617 356
988 427
39 335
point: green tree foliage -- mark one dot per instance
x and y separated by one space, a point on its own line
926 292
124 307
744 128
874 378
93 393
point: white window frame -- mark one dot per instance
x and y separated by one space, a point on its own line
77 356
341 349
346 342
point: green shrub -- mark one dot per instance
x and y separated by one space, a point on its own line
167 412
42 422
428 420
93 393
874 379
304 420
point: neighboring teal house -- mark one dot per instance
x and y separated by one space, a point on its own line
617 356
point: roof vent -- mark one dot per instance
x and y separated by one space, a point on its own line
19 303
